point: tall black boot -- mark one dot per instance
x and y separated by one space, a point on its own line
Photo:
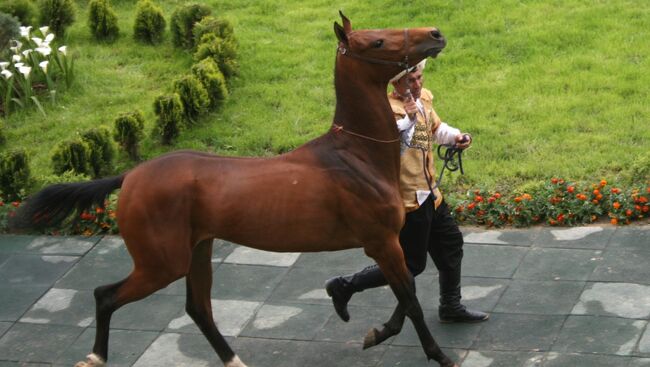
342 288
451 310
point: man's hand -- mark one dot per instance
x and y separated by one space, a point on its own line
410 107
463 140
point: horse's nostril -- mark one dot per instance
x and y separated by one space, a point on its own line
436 34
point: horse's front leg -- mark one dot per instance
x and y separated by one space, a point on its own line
390 258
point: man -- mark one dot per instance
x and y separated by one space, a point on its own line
429 226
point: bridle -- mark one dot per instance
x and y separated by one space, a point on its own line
402 64
341 49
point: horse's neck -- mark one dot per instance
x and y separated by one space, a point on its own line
362 108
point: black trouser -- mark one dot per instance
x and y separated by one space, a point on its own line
426 230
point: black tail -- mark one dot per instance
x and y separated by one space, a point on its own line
52 205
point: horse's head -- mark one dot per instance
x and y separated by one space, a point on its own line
393 49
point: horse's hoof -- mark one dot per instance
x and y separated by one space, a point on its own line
92 360
370 340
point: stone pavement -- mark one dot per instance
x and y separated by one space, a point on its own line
558 298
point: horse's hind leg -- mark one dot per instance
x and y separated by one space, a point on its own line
392 327
147 277
199 304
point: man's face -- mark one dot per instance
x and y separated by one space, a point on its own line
412 81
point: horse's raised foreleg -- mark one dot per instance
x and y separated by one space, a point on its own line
390 259
392 327
199 304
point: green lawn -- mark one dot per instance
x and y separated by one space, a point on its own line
546 88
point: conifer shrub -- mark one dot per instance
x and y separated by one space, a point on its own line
24 10
171 117
15 174
57 14
101 150
149 26
71 155
182 23
9 29
193 96
102 20
207 71
223 51
128 132
219 27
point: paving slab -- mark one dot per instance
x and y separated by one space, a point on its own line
502 359
557 297
518 332
589 237
558 264
598 334
539 297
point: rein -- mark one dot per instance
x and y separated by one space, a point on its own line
338 128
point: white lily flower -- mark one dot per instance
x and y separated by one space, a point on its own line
63 50
25 70
37 41
16 58
6 73
49 37
27 52
19 65
44 30
24 31
3 65
45 50
43 65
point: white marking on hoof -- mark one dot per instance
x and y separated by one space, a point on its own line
92 360
235 362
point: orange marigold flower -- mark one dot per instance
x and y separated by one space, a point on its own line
527 196
99 210
16 204
477 192
497 195
518 199
491 199
471 206
616 205
570 189
596 192
637 208
595 202
643 199
593 218
478 198
603 183
552 222
614 221
560 218
554 181
616 190
459 209
599 196
629 213
645 209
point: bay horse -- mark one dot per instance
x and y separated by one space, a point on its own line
338 191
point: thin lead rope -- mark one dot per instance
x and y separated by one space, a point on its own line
338 128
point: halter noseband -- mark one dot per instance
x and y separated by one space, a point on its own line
402 64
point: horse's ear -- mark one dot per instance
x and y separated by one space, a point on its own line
346 23
340 33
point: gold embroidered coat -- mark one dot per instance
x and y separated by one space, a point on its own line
412 177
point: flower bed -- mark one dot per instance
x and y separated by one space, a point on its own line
557 203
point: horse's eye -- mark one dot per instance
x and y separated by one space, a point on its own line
378 43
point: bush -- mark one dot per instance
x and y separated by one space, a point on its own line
14 174
102 20
3 139
24 10
129 130
182 23
171 114
193 96
9 29
223 51
71 155
212 79
219 27
57 14
101 151
149 24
